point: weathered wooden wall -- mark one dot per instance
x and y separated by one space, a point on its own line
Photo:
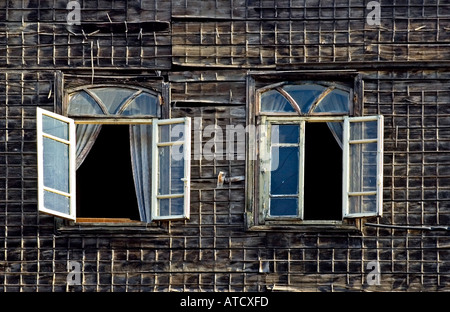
205 49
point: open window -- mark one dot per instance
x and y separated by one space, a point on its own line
56 164
118 166
363 166
315 163
171 158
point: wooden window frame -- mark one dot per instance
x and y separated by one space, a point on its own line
186 121
42 188
263 81
346 194
186 143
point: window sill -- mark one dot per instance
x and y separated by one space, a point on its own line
347 226
109 226
310 228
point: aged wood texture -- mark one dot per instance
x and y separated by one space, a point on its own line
260 34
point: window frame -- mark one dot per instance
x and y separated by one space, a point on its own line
154 122
263 81
278 86
107 117
264 172
346 194
61 111
155 213
71 142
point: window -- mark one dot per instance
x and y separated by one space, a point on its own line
112 157
313 162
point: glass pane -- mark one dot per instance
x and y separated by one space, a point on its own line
143 104
177 206
363 130
55 127
284 206
285 134
113 98
164 170
285 170
81 103
56 202
363 204
337 101
177 132
164 207
171 206
176 173
56 165
171 133
274 101
171 171
304 95
164 133
363 167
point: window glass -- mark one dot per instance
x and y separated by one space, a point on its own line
285 133
143 104
81 103
106 101
171 188
56 165
274 101
366 130
177 170
363 167
113 98
304 95
57 202
366 204
310 98
337 101
55 127
171 206
284 179
285 206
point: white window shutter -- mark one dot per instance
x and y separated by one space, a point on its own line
56 154
171 167
363 166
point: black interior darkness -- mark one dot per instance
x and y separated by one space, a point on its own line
105 186
323 174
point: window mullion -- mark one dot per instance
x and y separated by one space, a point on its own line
301 174
264 175
345 166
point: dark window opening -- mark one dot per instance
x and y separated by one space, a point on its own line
323 174
105 186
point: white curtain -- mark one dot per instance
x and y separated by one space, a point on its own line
337 129
274 101
338 102
86 135
141 155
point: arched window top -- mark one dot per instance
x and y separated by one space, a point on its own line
274 101
306 99
108 101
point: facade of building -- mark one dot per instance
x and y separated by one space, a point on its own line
224 145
